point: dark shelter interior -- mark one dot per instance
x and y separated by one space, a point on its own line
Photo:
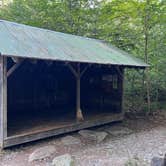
42 94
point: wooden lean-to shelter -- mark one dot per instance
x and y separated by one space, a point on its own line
52 83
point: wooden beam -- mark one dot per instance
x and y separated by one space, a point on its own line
72 69
15 59
14 67
75 72
85 69
3 100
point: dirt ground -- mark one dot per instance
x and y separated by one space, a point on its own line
147 140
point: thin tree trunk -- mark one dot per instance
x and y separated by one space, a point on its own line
133 95
146 26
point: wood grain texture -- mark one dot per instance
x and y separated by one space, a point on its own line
3 100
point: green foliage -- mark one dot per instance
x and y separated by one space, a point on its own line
122 23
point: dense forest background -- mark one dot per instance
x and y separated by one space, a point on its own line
136 26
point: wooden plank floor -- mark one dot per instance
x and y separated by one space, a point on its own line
29 123
24 122
29 128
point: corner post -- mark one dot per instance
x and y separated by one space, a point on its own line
122 93
3 99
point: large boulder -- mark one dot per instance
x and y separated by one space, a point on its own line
63 160
70 140
42 153
97 136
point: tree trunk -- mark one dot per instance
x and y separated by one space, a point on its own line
146 27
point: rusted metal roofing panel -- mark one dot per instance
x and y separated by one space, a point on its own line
29 42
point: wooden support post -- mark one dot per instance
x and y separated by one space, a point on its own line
121 85
122 91
78 102
3 100
78 74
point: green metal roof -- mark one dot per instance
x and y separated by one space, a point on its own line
30 42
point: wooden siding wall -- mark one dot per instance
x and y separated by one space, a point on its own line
102 89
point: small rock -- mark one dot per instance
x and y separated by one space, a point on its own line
160 153
70 140
158 161
64 160
118 130
97 136
42 153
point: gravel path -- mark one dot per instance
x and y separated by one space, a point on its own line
147 140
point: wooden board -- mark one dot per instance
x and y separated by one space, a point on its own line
27 137
3 100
